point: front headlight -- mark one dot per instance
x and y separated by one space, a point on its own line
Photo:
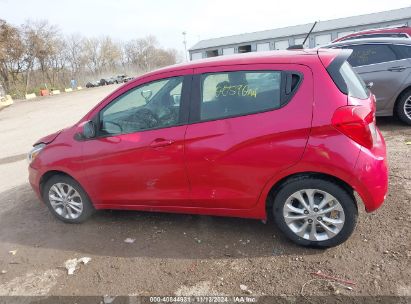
34 152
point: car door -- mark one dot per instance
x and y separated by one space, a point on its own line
137 157
247 123
379 63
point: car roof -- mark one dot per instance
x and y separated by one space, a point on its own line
284 56
383 30
388 40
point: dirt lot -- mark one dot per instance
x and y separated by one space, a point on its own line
182 254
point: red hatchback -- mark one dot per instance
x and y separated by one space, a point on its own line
287 134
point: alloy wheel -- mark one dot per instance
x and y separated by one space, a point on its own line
66 201
314 215
407 107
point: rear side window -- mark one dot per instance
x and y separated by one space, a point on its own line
370 54
238 93
355 85
404 51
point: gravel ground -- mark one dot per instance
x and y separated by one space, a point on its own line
182 254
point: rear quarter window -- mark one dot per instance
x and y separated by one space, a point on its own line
355 85
404 51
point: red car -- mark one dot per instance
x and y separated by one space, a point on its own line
288 134
393 32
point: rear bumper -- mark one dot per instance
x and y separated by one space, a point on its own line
372 176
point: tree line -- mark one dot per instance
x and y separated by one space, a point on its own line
37 55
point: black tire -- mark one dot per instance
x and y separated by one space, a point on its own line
87 207
346 200
400 107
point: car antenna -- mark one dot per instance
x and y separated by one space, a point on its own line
301 46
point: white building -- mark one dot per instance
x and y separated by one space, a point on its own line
282 38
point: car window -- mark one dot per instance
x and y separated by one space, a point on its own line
370 54
404 51
150 106
239 93
356 86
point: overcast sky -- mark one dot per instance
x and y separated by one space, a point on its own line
128 19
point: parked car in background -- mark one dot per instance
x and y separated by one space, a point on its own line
388 32
106 81
92 84
112 80
119 78
386 64
290 134
127 79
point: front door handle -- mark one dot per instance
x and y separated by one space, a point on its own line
161 142
396 69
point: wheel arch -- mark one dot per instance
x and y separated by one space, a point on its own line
277 186
49 174
397 100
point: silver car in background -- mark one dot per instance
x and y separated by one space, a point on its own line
384 63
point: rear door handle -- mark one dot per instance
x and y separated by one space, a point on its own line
161 142
396 69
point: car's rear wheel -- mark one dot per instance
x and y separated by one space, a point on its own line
403 108
66 199
315 212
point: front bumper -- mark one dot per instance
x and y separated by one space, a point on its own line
34 179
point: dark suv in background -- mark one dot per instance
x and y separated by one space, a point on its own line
384 63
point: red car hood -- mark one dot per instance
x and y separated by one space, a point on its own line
48 139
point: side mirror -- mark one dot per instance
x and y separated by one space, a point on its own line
370 85
89 130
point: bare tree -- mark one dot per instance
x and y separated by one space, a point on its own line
75 54
57 62
12 52
109 54
35 55
92 55
40 38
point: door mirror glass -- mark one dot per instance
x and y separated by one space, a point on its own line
89 130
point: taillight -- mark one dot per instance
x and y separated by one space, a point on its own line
358 123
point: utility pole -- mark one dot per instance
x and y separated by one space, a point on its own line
185 45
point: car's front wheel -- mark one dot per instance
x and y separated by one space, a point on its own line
403 107
315 212
66 199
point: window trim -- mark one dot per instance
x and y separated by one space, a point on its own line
364 36
183 111
196 98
